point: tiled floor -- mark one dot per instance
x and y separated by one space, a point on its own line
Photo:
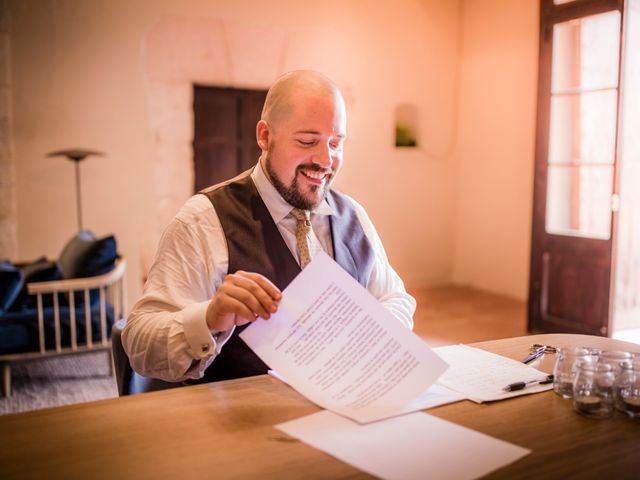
453 314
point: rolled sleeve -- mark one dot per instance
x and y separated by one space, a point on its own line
166 335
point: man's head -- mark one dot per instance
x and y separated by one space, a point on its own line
301 133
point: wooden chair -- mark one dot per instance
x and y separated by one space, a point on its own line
77 293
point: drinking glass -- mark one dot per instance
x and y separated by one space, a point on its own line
593 389
617 359
628 389
564 370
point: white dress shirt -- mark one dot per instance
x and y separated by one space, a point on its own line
167 336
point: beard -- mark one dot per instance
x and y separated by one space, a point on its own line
292 193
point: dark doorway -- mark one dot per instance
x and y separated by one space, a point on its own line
224 142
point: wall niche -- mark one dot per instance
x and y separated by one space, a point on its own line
406 125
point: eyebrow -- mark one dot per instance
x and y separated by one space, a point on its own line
315 132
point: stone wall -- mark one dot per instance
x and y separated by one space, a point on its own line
118 77
221 53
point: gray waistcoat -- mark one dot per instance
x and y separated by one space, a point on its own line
255 245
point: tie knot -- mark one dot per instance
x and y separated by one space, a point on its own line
301 216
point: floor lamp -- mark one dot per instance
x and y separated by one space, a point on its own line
76 156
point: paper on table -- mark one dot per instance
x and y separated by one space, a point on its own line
411 446
481 375
339 347
434 396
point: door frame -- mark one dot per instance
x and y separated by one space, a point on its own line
540 319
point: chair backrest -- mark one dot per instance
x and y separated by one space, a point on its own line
120 360
107 289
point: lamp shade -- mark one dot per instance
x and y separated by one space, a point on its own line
75 154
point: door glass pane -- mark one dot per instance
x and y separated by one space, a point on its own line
585 53
579 200
582 128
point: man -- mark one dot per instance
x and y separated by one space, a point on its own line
230 251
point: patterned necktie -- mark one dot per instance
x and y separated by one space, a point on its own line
303 231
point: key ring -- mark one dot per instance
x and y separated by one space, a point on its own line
547 348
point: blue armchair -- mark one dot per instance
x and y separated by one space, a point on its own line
61 308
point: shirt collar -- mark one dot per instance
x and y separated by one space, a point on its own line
278 207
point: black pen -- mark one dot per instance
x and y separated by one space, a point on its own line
520 385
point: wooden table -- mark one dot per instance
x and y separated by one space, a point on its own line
225 430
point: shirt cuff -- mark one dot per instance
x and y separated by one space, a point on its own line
202 342
196 331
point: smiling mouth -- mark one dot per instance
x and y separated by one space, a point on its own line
316 176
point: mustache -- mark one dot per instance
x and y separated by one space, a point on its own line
315 168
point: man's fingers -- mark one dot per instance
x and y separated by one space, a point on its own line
243 314
264 283
258 287
242 297
252 301
225 311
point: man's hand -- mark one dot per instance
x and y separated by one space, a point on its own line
242 298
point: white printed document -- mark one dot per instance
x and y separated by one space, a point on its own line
339 347
434 396
481 376
414 446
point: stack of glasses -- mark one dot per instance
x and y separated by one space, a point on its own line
598 381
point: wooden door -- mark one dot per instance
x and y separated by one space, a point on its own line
575 166
224 133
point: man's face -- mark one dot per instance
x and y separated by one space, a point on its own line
304 149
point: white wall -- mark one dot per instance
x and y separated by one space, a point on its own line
495 154
80 79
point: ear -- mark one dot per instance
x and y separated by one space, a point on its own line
262 135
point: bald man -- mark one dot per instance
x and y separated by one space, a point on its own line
230 251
